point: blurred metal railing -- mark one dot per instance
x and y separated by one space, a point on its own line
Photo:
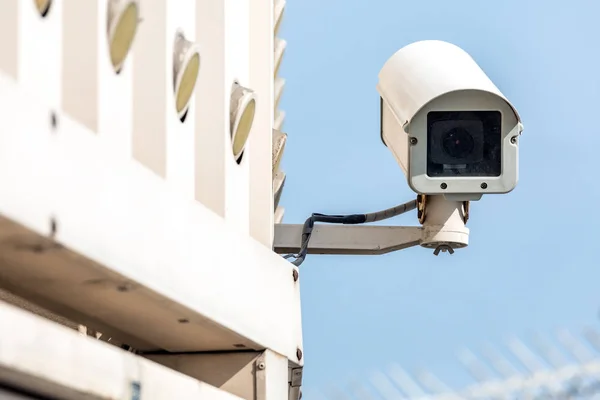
565 367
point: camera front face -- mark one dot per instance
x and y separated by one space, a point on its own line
464 143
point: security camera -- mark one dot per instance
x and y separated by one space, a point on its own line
449 127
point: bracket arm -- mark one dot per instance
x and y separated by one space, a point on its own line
347 239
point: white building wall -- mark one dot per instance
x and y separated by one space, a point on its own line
279 46
139 201
237 36
237 59
64 57
261 79
160 140
31 48
92 92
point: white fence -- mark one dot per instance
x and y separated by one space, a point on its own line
569 369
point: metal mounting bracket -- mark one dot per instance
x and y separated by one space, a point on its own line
443 230
347 239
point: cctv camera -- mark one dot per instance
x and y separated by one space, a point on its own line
449 127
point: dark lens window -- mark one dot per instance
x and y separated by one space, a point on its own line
464 143
458 142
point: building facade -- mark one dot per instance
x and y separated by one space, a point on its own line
65 56
140 148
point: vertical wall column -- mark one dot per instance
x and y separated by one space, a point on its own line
278 90
9 37
31 43
279 47
185 57
212 107
279 137
261 80
167 64
222 180
97 80
237 55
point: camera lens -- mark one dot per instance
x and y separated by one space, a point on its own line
464 143
458 143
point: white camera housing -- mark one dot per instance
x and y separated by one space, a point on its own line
449 127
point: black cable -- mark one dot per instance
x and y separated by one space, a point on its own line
352 219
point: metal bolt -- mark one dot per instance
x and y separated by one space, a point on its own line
261 365
513 139
136 390
414 140
299 354
444 185
484 185
124 287
53 120
295 275
53 227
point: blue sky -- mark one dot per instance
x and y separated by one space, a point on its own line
531 265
